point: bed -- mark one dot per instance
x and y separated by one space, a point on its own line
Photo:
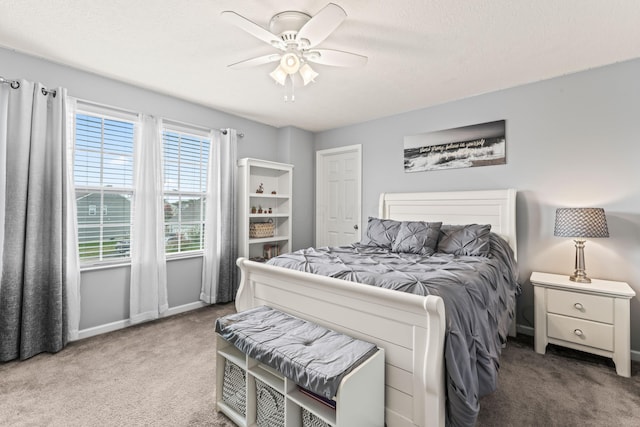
411 328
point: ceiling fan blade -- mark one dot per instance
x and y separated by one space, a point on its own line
252 28
322 24
336 58
260 60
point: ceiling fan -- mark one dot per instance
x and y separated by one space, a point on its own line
296 35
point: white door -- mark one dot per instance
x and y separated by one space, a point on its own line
338 195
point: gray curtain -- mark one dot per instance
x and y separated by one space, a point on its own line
228 271
33 316
219 271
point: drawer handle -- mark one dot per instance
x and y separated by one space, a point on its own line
578 306
578 332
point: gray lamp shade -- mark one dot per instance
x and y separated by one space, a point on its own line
581 222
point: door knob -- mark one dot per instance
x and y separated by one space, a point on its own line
355 227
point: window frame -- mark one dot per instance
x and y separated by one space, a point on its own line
201 134
103 113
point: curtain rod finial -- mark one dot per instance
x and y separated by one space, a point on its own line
224 132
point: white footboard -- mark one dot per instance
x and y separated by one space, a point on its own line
409 327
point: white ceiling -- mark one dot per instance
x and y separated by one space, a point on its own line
421 52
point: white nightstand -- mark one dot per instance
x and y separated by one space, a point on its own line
591 317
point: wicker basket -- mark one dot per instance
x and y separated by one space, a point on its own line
234 387
261 229
269 406
310 420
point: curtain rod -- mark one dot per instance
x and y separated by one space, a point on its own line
200 127
15 84
224 132
169 121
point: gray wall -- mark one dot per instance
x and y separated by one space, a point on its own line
571 141
105 292
296 148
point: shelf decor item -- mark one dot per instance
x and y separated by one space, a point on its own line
580 223
259 230
269 406
260 189
234 387
254 209
270 250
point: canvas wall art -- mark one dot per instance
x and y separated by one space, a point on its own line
464 147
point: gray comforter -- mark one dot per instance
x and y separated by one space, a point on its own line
479 296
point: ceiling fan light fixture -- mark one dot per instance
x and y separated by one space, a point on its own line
279 75
296 35
308 74
290 63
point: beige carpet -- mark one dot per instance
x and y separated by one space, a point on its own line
160 373
561 388
163 374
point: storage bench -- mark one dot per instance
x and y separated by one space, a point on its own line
274 369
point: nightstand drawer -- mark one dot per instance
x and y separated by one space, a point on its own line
598 335
583 306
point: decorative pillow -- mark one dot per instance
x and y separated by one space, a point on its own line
380 232
417 237
472 239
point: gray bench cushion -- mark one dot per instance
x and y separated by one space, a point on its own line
312 356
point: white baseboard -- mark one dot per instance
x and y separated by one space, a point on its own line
528 330
183 308
525 330
103 329
121 324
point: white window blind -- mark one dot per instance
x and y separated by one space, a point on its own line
185 157
103 172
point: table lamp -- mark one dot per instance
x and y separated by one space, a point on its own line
580 223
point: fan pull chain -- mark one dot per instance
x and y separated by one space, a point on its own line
293 96
284 87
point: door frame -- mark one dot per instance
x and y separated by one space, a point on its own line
321 155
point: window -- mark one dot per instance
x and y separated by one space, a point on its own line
104 183
185 184
103 172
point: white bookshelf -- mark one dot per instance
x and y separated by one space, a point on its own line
275 201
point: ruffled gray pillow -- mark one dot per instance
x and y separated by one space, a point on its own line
417 237
471 240
380 233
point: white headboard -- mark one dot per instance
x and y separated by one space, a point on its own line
495 207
